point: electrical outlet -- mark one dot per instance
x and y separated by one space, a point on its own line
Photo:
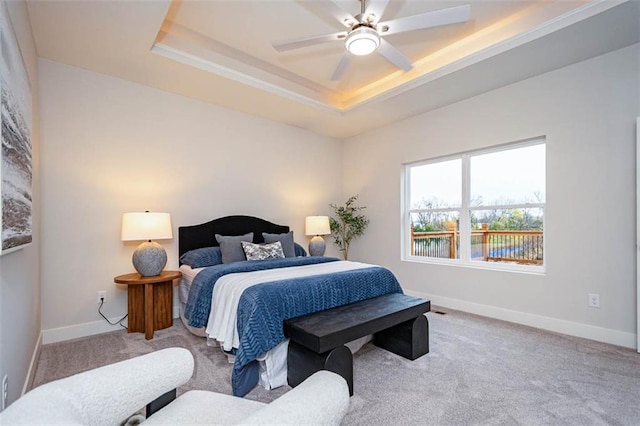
102 294
5 390
594 300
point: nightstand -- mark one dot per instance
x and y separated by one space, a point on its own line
150 301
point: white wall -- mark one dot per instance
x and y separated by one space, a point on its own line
110 146
20 270
587 113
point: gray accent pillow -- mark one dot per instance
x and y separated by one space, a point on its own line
286 240
231 247
263 251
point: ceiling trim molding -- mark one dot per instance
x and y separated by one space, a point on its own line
181 56
460 55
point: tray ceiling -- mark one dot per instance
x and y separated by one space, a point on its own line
220 52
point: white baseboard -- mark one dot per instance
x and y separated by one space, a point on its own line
75 331
28 382
571 328
600 334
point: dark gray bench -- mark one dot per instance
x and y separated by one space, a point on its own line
317 340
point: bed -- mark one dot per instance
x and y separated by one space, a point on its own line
242 304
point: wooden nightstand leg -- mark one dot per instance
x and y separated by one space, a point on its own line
148 311
163 305
135 309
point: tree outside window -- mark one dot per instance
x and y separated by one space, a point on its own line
478 207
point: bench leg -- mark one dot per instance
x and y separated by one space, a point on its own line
409 339
302 363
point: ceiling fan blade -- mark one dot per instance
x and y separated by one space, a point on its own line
338 12
311 41
345 60
376 9
394 56
327 8
452 15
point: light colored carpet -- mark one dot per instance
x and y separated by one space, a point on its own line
479 371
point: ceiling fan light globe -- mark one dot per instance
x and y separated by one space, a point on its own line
362 41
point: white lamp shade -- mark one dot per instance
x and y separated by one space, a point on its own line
146 226
317 225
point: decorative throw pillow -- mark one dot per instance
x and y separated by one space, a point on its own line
285 239
202 257
231 247
299 250
263 251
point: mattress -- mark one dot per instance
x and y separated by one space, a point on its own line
188 274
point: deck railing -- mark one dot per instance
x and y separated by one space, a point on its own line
524 247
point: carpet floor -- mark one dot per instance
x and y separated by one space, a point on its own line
479 371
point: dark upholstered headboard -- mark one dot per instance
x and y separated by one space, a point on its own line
203 235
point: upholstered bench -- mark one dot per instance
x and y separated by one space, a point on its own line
317 341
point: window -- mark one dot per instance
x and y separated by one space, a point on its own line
482 208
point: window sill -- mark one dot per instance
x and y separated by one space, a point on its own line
491 266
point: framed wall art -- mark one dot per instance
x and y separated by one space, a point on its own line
16 155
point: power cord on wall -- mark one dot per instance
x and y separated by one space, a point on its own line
107 319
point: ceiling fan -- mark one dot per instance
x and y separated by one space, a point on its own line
365 31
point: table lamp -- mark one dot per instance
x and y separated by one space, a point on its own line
317 226
150 257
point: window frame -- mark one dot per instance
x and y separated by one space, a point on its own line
465 210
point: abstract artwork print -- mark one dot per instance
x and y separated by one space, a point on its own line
16 161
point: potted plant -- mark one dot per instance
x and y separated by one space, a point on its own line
347 225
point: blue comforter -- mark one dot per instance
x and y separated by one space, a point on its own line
199 302
263 308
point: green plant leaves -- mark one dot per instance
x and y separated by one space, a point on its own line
348 224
